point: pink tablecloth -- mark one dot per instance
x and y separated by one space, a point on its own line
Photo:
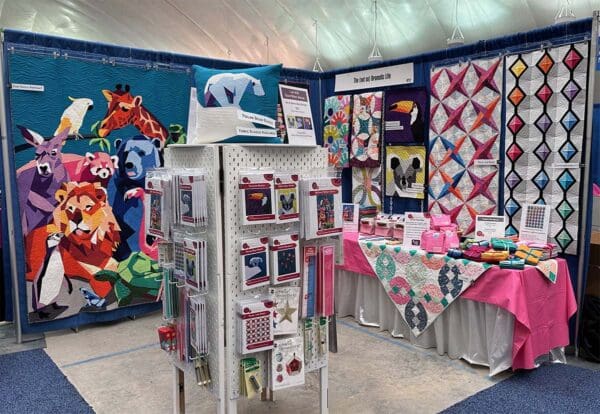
541 309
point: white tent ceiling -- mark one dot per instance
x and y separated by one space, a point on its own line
239 29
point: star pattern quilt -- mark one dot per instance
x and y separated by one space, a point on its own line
366 187
366 130
545 120
336 129
463 140
421 285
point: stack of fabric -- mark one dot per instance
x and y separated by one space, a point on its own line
548 250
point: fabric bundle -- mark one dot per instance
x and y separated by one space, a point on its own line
493 256
529 255
517 264
474 252
503 244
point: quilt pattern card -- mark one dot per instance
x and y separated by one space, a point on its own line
464 131
545 123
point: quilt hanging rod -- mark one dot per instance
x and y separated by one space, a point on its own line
565 40
94 58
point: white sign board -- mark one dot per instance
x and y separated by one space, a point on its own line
295 103
487 227
375 78
535 222
413 228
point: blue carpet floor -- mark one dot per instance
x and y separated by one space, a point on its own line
31 383
553 388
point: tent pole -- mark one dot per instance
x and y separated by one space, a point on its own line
592 96
8 192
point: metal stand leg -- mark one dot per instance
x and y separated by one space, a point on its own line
333 334
324 400
178 391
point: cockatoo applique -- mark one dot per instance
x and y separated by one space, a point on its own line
72 117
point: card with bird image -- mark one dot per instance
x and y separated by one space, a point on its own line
286 196
405 171
254 262
286 302
285 261
256 194
405 114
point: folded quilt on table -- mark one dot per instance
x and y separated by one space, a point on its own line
421 285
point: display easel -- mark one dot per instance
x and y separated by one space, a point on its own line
223 164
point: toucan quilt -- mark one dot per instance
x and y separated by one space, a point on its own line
545 126
464 131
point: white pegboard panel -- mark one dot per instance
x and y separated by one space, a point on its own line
235 159
207 157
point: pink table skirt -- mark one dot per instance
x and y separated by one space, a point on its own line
541 309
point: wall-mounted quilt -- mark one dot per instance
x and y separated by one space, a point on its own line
82 148
464 138
336 129
545 119
366 130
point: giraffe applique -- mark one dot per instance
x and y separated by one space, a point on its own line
125 109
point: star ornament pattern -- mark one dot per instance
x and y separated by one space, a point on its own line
464 129
551 80
286 313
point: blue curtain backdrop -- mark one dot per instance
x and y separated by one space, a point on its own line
553 35
31 56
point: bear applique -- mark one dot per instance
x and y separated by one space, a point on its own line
136 155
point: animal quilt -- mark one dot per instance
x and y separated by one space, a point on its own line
405 171
336 129
81 152
421 285
464 132
545 123
366 130
366 187
236 105
404 120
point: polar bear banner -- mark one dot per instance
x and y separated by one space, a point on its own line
227 89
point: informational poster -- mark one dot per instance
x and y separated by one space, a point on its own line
487 227
535 223
297 114
350 216
414 226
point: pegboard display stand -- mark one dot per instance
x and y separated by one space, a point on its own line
223 236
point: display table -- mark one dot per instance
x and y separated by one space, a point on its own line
506 318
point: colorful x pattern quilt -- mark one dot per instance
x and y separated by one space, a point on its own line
545 119
420 284
464 138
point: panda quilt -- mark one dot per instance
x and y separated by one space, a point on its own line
545 128
405 171
82 148
464 130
